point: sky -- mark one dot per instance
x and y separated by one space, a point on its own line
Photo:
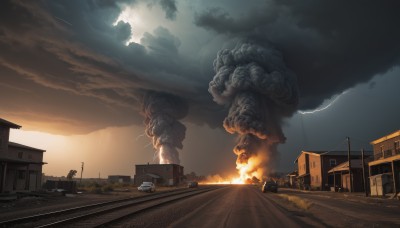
74 74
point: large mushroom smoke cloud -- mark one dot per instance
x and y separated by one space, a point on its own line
260 90
162 112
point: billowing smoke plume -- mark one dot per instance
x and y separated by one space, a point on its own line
162 112
260 90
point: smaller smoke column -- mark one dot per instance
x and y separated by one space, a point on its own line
162 112
260 90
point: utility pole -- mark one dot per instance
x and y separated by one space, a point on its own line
363 170
81 171
349 158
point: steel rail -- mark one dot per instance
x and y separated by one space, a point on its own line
72 210
107 221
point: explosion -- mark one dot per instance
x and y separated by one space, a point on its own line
260 90
162 112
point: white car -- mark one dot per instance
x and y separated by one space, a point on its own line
147 187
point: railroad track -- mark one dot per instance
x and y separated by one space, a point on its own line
102 214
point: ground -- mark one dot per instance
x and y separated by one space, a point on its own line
317 208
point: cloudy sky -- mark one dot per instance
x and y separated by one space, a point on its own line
72 74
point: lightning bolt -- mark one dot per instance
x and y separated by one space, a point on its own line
323 108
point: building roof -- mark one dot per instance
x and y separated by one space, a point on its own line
294 173
355 164
6 123
13 144
384 138
20 161
334 153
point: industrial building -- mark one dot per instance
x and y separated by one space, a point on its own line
160 174
384 170
21 166
119 179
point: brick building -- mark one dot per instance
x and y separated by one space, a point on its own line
21 166
313 167
119 179
387 160
161 174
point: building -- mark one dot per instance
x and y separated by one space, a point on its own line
386 163
313 167
119 179
21 166
341 176
292 179
161 174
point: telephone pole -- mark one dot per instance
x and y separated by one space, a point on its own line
363 170
349 158
81 171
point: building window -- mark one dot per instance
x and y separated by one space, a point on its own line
21 174
382 149
317 179
313 164
312 178
332 162
20 155
30 156
397 147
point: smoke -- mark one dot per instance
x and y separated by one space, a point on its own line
162 112
261 91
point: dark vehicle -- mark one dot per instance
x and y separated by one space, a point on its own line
270 186
193 184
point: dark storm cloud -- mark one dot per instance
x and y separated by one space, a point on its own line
169 6
70 50
123 31
331 46
73 47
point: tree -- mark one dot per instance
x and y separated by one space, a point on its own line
71 174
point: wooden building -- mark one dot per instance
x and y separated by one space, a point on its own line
341 175
21 166
313 167
161 174
387 159
292 179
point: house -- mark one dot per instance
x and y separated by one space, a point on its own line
21 166
385 168
161 174
292 179
119 179
341 175
313 167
